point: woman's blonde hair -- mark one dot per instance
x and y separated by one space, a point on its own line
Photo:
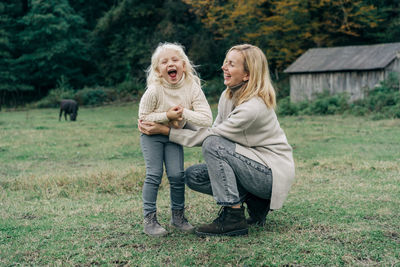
259 84
153 75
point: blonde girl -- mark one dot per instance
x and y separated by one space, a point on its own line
173 97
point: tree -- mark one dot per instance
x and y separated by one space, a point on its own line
388 29
51 46
180 25
11 84
91 10
298 25
286 28
120 42
124 38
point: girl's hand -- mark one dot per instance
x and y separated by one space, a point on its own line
175 113
151 128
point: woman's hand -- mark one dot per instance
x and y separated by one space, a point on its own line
151 128
174 124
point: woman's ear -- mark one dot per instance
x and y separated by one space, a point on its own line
246 77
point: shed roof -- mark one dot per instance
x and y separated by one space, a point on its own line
345 58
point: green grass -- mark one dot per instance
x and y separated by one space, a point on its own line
70 194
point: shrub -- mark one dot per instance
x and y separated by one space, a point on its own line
327 104
323 104
52 100
130 89
285 107
132 86
62 91
383 99
95 96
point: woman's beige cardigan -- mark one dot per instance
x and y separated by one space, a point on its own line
256 131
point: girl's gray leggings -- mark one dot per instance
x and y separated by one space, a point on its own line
158 150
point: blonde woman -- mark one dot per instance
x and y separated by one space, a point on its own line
173 97
248 159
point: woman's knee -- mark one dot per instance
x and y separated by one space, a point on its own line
195 175
190 175
211 144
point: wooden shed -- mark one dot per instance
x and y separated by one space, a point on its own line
351 69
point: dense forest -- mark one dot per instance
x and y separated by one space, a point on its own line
81 44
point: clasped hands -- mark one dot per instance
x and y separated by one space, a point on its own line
174 115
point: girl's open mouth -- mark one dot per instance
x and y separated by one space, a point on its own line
172 73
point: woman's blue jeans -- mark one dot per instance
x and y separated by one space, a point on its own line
158 150
227 175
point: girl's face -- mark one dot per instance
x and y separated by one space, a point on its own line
233 68
171 66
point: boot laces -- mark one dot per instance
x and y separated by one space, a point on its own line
221 216
181 218
151 218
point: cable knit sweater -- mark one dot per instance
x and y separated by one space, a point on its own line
157 99
256 131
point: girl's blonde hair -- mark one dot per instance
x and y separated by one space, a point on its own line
259 84
153 75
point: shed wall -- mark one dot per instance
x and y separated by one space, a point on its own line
355 83
394 66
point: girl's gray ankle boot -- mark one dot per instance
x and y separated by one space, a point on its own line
179 221
152 227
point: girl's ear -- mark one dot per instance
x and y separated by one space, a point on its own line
158 72
184 66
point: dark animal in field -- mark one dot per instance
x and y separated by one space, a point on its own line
70 107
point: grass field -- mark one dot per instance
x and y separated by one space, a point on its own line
70 194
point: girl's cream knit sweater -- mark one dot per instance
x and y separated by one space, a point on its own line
157 99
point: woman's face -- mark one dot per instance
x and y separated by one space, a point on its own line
233 68
171 66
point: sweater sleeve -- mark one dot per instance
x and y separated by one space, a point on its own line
189 138
232 128
148 103
201 114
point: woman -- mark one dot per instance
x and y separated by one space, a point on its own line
248 159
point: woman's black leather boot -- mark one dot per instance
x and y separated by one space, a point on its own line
258 209
230 222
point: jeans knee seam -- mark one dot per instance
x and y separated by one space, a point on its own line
223 178
256 165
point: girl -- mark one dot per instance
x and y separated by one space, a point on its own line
173 97
248 158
